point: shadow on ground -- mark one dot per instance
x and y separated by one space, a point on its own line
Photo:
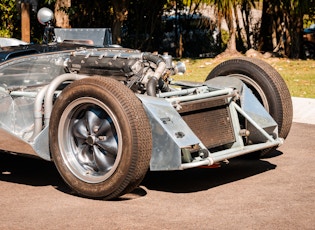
30 171
198 179
35 172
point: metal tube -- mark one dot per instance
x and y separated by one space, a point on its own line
23 94
230 153
239 151
202 95
159 70
252 122
38 116
182 92
207 161
48 103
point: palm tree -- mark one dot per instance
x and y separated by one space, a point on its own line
228 9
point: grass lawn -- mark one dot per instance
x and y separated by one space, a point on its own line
298 74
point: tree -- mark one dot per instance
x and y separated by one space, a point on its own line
283 20
226 9
143 27
294 12
62 18
235 13
90 14
245 7
9 19
120 9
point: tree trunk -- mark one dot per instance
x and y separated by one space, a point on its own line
62 18
231 45
219 36
246 21
120 15
296 37
25 22
265 40
238 29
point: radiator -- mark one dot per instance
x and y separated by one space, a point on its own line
210 120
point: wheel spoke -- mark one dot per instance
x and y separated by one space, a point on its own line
85 156
103 161
101 154
92 120
79 130
104 128
109 145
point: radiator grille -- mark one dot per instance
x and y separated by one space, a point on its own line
210 120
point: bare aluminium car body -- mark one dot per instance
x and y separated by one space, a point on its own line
104 115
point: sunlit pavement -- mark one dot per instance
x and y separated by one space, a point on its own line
303 110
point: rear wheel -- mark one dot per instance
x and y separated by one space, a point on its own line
266 84
100 138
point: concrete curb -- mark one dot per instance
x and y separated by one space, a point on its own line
303 110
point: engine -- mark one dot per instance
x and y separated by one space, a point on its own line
141 72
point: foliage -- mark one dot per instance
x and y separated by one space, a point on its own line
237 14
225 37
143 26
309 17
9 19
284 19
90 14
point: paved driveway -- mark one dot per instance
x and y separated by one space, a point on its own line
277 192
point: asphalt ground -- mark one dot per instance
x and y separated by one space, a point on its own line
277 192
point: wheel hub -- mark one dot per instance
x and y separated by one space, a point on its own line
91 140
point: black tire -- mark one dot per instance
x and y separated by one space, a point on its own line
100 138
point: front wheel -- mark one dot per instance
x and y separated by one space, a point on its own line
100 138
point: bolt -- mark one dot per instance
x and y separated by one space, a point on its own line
102 138
96 128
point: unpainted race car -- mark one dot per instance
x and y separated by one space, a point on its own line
105 115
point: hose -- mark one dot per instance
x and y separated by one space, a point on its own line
160 69
151 86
